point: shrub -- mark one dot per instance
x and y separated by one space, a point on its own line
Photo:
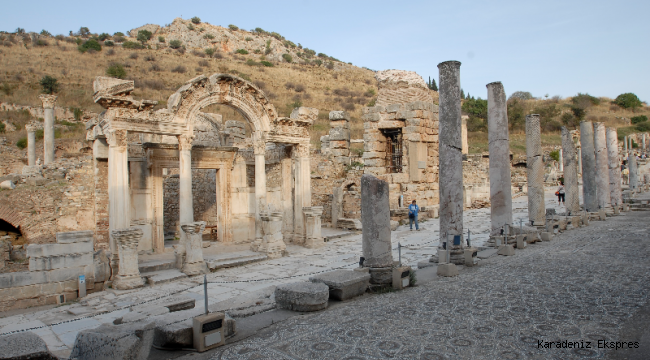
179 69
153 84
45 33
569 120
90 44
110 52
22 143
175 44
118 39
251 62
41 42
119 33
289 44
643 126
133 56
84 31
132 45
585 100
287 57
103 37
109 43
639 119
260 84
161 39
300 88
555 155
578 112
242 51
248 38
196 20
266 63
49 85
116 71
144 36
190 27
521 95
149 58
628 100
259 31
209 51
233 27
204 63
217 55
330 65
277 36
208 36
155 67
2 128
198 53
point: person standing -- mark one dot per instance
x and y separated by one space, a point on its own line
414 209
560 194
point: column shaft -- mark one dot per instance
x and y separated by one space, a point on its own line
499 147
48 127
589 192
31 145
571 189
535 171
614 167
118 184
602 172
260 193
634 178
185 201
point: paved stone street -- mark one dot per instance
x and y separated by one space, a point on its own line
584 285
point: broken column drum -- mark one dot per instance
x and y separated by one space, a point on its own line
339 136
48 127
450 156
602 171
272 243
376 238
589 186
614 167
313 237
128 276
535 171
634 176
31 144
499 146
194 263
571 189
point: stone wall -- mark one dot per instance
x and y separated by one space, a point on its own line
401 87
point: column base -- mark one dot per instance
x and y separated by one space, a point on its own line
381 276
126 282
197 268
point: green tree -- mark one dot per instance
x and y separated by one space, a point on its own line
477 111
578 112
555 155
103 37
45 33
144 36
116 71
432 84
233 27
90 44
84 31
516 113
628 100
462 94
196 20
175 44
521 95
49 85
287 58
639 119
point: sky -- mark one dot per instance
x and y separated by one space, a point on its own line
544 47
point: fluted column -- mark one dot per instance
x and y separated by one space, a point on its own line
571 188
119 197
48 127
589 187
614 167
259 151
535 171
499 147
302 191
602 171
31 144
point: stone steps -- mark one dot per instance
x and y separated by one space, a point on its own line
244 259
156 265
163 276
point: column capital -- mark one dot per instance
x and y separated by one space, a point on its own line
127 238
48 100
194 228
31 128
116 138
185 142
301 150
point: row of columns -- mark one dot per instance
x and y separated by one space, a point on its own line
48 133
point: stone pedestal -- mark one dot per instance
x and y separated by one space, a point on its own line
535 171
192 238
272 243
602 171
571 189
48 127
339 136
614 168
450 156
313 237
376 238
499 146
127 241
589 186
31 144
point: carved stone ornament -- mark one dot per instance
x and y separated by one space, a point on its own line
116 138
301 150
48 101
185 142
31 128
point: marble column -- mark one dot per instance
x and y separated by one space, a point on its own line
625 145
465 148
31 144
191 231
561 161
643 148
535 171
313 238
571 189
580 161
589 187
119 197
450 156
272 244
614 167
48 127
128 276
602 172
499 147
259 151
634 176
302 190
376 237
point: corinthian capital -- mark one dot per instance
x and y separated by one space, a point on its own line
116 138
48 100
185 142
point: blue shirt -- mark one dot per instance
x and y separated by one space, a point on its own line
414 209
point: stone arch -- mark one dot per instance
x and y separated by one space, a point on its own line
347 184
246 98
13 218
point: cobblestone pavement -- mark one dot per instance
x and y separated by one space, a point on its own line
582 286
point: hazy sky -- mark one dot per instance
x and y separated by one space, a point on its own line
545 47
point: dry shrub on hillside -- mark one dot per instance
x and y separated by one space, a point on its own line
179 69
110 52
289 85
133 56
299 88
217 55
198 70
153 84
198 53
149 58
204 63
260 84
155 67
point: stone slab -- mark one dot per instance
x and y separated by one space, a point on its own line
163 276
23 346
447 269
121 342
506 250
74 237
302 296
344 284
484 254
43 250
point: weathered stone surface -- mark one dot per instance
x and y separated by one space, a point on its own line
344 284
339 115
499 146
74 237
589 186
123 342
614 168
535 171
602 171
571 189
634 174
375 217
7 185
302 296
23 346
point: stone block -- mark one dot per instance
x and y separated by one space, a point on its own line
470 253
375 215
395 124
381 275
180 303
506 250
393 108
374 155
339 133
340 124
372 117
339 115
36 181
74 237
340 152
60 261
344 284
302 296
304 114
401 277
122 342
340 144
43 250
447 269
7 185
24 345
521 242
393 225
34 170
546 236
